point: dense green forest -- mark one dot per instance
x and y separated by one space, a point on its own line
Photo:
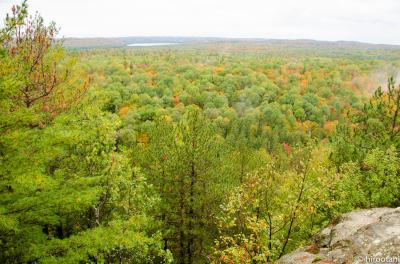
209 153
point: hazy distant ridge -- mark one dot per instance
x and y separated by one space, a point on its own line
123 41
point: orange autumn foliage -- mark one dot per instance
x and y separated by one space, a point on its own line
219 70
123 111
176 100
330 126
151 72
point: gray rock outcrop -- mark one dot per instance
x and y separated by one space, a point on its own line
365 236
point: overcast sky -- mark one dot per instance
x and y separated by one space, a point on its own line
375 21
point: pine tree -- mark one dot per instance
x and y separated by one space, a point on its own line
182 160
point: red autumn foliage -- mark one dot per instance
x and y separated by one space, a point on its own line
287 148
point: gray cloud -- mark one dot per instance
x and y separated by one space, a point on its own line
375 21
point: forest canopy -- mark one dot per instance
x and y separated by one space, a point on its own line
204 153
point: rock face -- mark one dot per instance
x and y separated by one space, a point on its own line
365 236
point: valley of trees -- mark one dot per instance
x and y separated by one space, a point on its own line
211 153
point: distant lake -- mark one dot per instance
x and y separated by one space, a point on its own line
151 44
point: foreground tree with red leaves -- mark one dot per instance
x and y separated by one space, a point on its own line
47 80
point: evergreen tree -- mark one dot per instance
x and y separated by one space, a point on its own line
181 160
66 194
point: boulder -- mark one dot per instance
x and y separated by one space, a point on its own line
364 236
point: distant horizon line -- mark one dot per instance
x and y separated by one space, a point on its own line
227 38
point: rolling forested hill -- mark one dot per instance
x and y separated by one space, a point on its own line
300 43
